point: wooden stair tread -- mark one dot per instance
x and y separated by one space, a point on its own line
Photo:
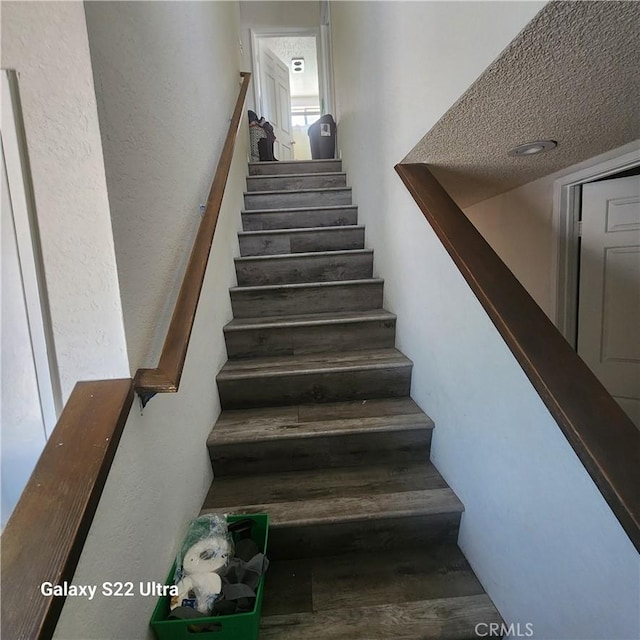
313 363
279 163
303 285
267 232
308 319
399 575
321 496
442 618
296 175
318 190
259 425
308 254
330 207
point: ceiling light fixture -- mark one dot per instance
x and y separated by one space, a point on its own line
532 148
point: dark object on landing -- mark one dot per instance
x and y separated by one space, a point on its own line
322 137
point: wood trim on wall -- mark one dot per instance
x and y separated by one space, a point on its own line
44 537
601 434
165 378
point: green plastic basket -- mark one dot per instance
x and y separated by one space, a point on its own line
240 626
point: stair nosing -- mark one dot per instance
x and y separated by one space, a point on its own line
311 320
226 436
357 509
305 254
283 191
281 162
228 376
330 207
333 228
301 285
269 176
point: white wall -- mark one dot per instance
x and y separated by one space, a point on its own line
23 430
518 225
536 530
166 74
46 42
162 472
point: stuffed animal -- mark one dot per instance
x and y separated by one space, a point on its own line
199 567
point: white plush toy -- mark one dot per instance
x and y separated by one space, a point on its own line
199 565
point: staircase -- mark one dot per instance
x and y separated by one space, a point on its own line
318 430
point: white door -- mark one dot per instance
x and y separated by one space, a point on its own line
276 100
609 297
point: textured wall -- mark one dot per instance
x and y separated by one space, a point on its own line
536 530
570 76
165 76
162 471
46 42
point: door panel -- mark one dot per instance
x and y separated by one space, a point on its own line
609 299
276 100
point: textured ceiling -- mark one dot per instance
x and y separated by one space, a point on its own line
572 75
289 47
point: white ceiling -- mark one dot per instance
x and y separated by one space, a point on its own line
572 75
288 47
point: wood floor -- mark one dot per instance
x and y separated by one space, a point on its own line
319 431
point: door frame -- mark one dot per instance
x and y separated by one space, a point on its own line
567 204
25 221
325 71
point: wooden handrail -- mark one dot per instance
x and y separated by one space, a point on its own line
45 534
165 378
601 434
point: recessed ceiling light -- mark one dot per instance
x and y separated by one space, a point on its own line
531 148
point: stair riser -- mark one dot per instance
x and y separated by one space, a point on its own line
337 538
351 336
289 270
274 168
284 183
347 297
297 242
264 391
301 219
297 199
351 450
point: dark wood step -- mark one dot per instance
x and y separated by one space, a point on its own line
318 266
277 241
441 619
317 297
368 432
301 198
327 377
310 333
295 166
299 217
331 583
342 510
296 181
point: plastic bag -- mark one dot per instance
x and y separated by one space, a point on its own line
203 556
